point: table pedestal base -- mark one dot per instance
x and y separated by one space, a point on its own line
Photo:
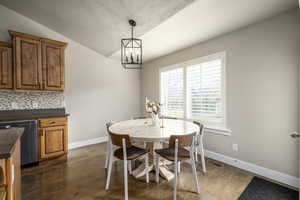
163 169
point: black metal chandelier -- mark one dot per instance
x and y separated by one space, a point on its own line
131 50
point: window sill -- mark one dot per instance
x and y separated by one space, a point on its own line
213 129
218 131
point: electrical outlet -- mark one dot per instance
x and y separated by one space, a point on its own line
14 105
235 147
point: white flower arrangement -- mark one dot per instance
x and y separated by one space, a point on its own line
153 107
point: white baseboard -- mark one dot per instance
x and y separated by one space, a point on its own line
268 173
265 172
83 143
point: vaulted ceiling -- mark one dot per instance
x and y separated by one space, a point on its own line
97 24
164 25
206 19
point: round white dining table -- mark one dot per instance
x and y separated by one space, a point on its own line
142 130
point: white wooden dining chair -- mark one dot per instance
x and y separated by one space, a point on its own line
177 152
199 147
108 124
108 150
174 118
126 152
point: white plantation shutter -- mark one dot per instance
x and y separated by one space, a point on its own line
195 90
172 93
204 91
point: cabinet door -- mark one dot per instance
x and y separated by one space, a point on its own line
13 166
53 141
53 66
28 65
6 76
2 193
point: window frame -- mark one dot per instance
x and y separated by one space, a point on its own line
219 128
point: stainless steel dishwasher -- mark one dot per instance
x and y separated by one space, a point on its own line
29 140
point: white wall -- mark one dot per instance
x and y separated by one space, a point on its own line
97 89
262 90
299 114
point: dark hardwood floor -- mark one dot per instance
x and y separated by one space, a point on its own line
83 177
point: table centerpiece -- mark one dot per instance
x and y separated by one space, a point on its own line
153 108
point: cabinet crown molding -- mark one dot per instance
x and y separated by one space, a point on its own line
14 34
6 44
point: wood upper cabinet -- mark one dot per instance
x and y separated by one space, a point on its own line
6 72
53 65
28 64
53 137
38 63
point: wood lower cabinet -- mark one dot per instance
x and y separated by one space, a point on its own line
13 167
10 175
53 137
39 63
6 67
2 193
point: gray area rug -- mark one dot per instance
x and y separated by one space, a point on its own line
260 189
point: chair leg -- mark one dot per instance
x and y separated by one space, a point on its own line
110 163
175 181
125 180
195 175
130 167
202 157
107 155
157 169
196 153
147 167
179 167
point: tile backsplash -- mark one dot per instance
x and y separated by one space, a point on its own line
20 100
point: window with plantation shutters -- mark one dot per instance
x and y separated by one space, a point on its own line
204 91
172 93
195 90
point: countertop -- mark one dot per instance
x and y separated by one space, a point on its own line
8 139
11 115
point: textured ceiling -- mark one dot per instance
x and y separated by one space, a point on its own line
207 19
164 25
97 24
